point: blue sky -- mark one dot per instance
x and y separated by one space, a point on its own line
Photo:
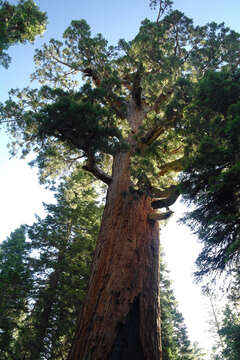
20 194
114 19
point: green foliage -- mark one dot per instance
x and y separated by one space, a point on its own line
65 240
211 178
19 23
40 320
154 70
79 121
229 329
170 91
15 287
43 282
230 332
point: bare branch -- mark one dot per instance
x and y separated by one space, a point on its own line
163 6
66 64
71 161
159 14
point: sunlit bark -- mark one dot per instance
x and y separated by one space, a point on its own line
121 315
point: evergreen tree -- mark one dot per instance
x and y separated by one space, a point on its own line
229 329
230 332
127 125
45 325
15 286
198 353
64 242
19 23
211 179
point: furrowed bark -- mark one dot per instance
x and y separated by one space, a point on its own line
120 319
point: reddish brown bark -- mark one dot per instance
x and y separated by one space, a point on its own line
121 315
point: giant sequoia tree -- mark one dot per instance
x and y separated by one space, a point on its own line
126 126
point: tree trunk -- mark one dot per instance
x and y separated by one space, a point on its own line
120 319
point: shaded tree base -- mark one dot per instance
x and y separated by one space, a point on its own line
128 344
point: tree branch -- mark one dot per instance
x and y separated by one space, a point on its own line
160 216
92 73
176 166
161 99
163 194
167 197
66 64
98 173
149 138
115 101
159 13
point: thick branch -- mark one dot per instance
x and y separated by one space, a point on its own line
98 173
160 216
167 197
160 100
90 72
149 138
163 194
118 104
176 166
